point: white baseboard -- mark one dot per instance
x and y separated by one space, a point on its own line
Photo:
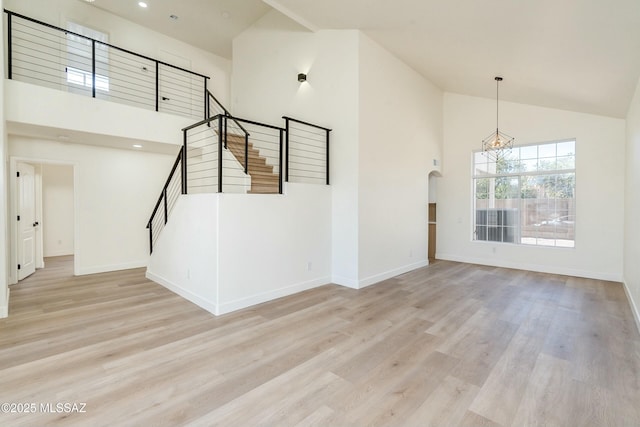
371 280
228 307
238 304
112 267
632 303
346 282
58 253
204 303
533 267
4 308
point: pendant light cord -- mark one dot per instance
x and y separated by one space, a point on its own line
497 86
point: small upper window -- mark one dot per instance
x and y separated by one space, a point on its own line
79 57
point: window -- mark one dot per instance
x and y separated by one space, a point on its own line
83 78
527 197
79 57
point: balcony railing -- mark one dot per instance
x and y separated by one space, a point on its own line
307 152
46 55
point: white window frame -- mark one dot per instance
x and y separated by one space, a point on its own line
83 78
518 229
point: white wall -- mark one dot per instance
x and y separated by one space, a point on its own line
632 206
4 205
185 256
115 193
126 34
266 61
599 186
216 252
400 135
57 210
373 123
83 114
285 249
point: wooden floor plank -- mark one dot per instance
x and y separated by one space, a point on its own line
449 344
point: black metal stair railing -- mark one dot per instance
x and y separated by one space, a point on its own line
46 55
222 154
233 155
306 152
172 189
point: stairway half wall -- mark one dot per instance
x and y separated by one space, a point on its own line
225 252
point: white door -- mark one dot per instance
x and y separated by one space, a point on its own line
27 222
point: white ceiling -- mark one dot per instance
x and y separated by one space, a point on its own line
580 55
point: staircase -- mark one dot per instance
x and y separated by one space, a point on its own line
263 180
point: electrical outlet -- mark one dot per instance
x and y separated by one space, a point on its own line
309 265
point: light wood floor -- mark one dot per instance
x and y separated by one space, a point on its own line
450 345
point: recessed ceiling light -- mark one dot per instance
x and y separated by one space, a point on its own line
225 15
142 4
137 146
89 1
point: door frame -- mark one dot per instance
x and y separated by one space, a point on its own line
432 175
13 209
25 223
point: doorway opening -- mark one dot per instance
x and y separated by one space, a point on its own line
43 200
433 197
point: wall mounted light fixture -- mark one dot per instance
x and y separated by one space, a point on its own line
302 77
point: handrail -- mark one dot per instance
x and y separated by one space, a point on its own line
35 21
166 185
202 122
210 119
306 123
252 122
226 111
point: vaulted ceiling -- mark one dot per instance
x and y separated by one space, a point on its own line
579 55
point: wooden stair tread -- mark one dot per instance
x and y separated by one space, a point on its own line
263 178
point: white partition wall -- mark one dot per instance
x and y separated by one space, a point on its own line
632 207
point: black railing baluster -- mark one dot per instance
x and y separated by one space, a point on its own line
327 154
207 104
157 86
286 147
184 163
150 237
93 68
280 163
206 100
246 154
220 129
225 130
9 47
164 196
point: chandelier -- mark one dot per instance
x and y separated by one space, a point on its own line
498 144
